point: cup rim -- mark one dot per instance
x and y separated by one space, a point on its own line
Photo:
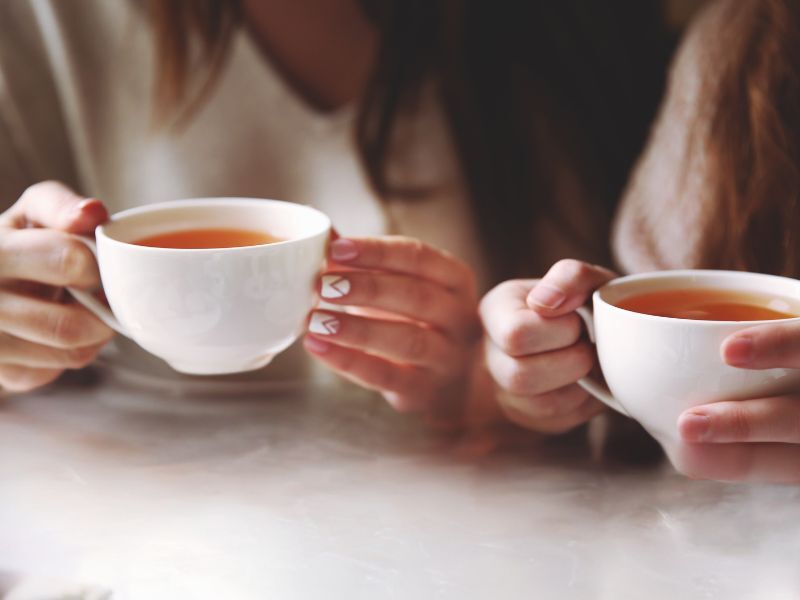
100 231
597 296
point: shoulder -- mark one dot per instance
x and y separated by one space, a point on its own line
47 48
665 208
700 57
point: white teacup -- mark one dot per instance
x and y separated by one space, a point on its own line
657 367
210 311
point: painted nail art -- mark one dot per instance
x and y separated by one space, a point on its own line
334 286
324 324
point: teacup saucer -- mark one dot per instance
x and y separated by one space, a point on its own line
126 363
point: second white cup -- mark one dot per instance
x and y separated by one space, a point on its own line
657 367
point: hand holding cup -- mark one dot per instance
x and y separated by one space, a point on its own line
40 334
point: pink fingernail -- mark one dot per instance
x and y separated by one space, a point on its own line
343 250
694 427
316 345
77 209
739 351
546 296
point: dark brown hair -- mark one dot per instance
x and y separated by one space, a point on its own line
753 146
583 75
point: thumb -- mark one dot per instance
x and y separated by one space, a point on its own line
566 286
55 206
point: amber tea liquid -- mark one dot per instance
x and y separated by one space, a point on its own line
712 305
208 238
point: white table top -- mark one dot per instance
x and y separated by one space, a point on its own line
334 496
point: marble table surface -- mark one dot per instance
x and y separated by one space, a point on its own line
109 491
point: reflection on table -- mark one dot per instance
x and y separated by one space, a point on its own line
324 492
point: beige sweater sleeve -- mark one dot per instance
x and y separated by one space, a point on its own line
34 144
665 209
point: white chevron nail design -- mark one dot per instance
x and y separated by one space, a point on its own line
324 324
334 286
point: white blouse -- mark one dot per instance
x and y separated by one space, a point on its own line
76 104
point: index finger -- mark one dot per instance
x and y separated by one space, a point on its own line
519 331
47 256
567 285
53 205
404 255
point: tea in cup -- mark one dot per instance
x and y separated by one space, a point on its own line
659 335
210 285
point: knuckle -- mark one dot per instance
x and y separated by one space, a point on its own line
417 253
77 358
371 288
36 189
417 343
583 359
571 269
785 341
514 334
66 327
72 262
544 405
358 332
379 252
518 380
493 299
739 424
421 298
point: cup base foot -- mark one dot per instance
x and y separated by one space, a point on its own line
222 368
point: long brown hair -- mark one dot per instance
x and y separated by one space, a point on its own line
588 72
753 145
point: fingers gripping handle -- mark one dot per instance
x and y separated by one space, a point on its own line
88 300
589 383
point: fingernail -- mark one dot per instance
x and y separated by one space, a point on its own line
324 324
77 209
739 351
546 296
343 250
316 345
694 427
334 286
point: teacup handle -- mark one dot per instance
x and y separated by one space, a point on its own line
90 302
590 384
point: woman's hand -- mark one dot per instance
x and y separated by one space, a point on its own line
535 351
411 327
39 336
748 440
